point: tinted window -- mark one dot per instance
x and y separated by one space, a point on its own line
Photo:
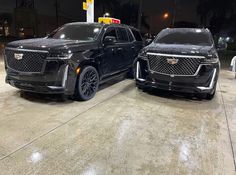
188 37
122 35
137 35
131 38
111 32
77 32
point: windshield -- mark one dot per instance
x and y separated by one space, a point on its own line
85 32
193 37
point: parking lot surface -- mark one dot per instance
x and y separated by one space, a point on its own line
122 131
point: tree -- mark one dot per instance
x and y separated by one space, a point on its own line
215 12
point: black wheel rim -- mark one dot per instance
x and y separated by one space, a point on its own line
89 83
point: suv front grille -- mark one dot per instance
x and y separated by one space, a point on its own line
178 65
31 61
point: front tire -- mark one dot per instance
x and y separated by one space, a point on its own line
87 84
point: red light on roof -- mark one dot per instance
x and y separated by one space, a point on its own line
116 21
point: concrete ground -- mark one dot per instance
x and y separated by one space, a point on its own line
122 131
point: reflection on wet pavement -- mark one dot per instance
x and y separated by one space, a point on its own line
122 131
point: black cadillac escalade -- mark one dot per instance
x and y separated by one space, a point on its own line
72 60
180 59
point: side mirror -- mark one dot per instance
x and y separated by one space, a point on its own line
109 40
148 41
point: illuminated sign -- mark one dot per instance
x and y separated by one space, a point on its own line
106 20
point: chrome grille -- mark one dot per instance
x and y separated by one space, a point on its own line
186 65
32 61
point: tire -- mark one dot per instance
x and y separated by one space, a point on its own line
87 84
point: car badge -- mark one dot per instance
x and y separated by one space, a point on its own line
18 56
172 61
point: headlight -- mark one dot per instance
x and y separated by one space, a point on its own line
212 58
143 54
66 56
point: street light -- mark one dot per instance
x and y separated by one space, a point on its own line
166 15
106 15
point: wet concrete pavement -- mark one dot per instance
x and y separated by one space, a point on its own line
122 131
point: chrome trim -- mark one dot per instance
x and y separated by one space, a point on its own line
137 72
55 87
26 50
65 76
180 56
211 86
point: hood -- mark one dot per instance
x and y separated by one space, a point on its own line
180 49
52 44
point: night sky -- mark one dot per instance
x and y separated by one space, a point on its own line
154 9
186 11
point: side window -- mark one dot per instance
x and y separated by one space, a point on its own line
122 35
137 35
131 38
110 32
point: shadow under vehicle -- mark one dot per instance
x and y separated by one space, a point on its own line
73 60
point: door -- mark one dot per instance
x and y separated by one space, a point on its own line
111 55
127 48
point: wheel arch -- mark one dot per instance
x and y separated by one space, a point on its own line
90 63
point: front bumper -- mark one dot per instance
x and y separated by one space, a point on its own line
203 82
57 78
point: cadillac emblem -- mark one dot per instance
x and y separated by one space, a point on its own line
172 61
18 56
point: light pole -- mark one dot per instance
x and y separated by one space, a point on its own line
90 10
140 14
174 13
57 17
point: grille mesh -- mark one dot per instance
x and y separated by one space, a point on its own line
185 66
31 61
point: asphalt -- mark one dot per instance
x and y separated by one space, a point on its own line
122 131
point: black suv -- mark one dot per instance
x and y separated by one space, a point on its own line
72 60
183 60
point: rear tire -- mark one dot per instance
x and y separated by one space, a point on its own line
87 84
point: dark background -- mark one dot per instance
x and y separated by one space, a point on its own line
28 18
